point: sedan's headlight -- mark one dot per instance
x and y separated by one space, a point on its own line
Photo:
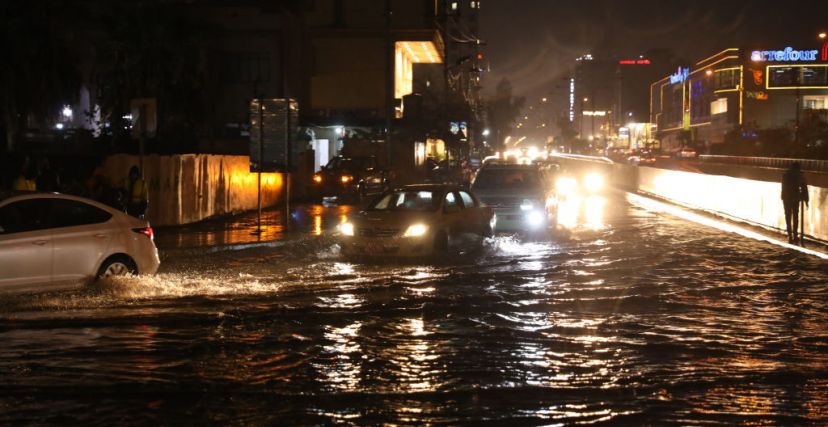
566 185
346 228
594 182
416 230
535 218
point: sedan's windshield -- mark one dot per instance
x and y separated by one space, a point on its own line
407 201
495 178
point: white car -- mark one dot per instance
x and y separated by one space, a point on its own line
50 240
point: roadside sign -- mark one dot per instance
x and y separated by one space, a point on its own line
271 132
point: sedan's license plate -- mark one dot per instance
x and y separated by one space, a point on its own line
373 248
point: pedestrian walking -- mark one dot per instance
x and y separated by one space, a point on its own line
794 193
136 193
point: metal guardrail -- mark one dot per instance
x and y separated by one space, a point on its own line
767 162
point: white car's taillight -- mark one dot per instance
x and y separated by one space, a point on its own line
146 231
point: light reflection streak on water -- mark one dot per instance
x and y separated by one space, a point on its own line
346 371
656 206
414 355
577 211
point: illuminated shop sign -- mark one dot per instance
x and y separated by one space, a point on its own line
680 75
786 55
758 95
634 62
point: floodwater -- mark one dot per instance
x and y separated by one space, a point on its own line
629 316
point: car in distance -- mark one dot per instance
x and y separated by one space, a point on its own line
343 177
50 240
521 196
417 221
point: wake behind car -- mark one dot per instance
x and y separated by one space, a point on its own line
415 221
521 196
56 240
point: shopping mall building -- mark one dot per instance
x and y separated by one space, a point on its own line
747 88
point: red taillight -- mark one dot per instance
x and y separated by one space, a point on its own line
146 231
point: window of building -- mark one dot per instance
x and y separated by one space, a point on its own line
718 106
815 102
245 67
727 79
454 6
797 76
473 4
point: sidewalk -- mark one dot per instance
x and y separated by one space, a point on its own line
240 229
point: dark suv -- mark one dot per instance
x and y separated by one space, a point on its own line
344 177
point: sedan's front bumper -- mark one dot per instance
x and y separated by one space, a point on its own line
387 246
521 221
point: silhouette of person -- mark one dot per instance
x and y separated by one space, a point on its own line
794 191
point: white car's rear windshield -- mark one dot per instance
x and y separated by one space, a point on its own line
418 201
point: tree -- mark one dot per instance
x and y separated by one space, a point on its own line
40 73
149 51
503 110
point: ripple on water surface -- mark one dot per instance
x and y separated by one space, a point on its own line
646 319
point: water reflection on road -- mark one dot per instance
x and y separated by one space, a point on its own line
625 315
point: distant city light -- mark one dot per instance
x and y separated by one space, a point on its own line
485 132
59 126
823 35
67 112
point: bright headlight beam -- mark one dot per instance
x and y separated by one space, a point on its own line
346 228
656 206
566 185
416 230
534 218
594 182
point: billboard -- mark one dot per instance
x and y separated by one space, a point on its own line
272 130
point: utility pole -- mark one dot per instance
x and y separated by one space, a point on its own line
390 111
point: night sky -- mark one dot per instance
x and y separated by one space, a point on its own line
533 42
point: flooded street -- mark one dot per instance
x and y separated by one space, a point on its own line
628 316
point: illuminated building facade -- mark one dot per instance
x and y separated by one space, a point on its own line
739 88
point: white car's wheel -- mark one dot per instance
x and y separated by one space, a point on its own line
117 267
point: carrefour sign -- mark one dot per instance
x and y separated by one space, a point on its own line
786 55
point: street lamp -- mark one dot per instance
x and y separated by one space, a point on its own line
823 35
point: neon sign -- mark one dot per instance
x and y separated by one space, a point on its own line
786 55
634 62
680 75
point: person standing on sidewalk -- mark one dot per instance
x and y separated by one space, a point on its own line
136 193
794 191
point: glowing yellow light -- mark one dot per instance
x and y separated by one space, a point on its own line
317 178
346 179
346 228
416 230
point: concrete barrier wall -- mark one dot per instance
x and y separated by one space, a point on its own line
188 188
752 201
